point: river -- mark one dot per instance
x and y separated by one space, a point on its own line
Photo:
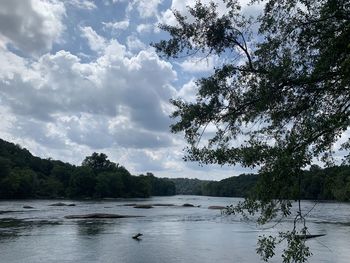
171 234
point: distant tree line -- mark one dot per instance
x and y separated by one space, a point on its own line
23 175
235 186
317 184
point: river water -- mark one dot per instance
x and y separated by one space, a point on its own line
171 234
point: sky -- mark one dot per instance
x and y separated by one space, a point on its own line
80 76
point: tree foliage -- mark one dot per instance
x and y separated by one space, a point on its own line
23 175
331 183
99 162
279 99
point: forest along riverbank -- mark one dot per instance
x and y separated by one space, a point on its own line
23 175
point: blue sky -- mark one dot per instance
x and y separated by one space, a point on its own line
80 76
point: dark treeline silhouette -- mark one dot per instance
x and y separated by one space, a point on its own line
236 186
23 175
317 184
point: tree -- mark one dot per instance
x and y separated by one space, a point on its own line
99 162
5 167
279 99
109 185
20 183
23 175
82 182
62 172
50 187
159 186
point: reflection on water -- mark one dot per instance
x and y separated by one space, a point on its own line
170 233
12 227
9 227
91 227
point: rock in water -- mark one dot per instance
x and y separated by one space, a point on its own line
61 204
143 206
190 205
98 216
219 207
163 205
58 204
187 205
137 236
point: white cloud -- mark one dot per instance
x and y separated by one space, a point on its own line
142 161
167 16
113 100
118 1
10 64
188 91
134 43
7 121
81 4
96 42
144 28
115 26
69 103
145 8
31 26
